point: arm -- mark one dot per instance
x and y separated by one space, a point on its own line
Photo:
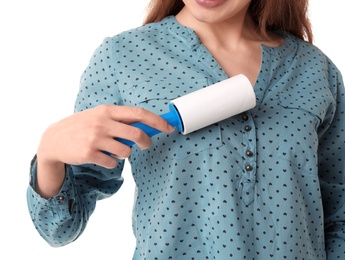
332 170
59 201
71 172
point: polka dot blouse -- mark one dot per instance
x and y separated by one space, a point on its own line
265 184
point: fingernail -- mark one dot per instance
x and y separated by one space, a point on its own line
142 148
170 128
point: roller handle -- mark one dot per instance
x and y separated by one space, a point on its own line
172 117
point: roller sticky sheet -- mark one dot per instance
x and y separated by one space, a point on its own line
206 106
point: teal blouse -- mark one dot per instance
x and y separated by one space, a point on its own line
265 184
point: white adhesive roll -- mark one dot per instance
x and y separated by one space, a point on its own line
215 103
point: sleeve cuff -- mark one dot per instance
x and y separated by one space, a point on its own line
60 204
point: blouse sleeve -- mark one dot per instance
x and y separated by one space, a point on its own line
332 169
62 219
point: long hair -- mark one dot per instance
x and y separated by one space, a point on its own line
269 15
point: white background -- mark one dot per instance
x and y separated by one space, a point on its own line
44 47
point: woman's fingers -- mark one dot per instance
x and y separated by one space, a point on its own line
131 115
81 137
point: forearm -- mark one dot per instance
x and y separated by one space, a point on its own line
50 177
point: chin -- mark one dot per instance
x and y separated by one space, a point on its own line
208 18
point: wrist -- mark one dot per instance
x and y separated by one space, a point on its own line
50 177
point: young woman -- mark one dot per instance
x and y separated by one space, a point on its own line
266 184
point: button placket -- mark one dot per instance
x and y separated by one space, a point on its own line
249 162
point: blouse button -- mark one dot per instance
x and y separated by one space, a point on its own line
245 117
249 153
249 168
61 199
247 128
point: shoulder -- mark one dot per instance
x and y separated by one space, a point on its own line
134 38
309 55
309 52
143 32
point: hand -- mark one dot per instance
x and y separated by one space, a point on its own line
82 137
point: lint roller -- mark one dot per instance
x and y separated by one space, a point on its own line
206 106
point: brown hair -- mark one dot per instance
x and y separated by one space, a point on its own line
269 15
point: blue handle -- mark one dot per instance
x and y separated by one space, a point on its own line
172 117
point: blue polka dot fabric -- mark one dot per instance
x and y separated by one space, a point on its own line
266 184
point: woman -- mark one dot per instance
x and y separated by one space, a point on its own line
266 184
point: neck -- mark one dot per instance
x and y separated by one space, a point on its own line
229 33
